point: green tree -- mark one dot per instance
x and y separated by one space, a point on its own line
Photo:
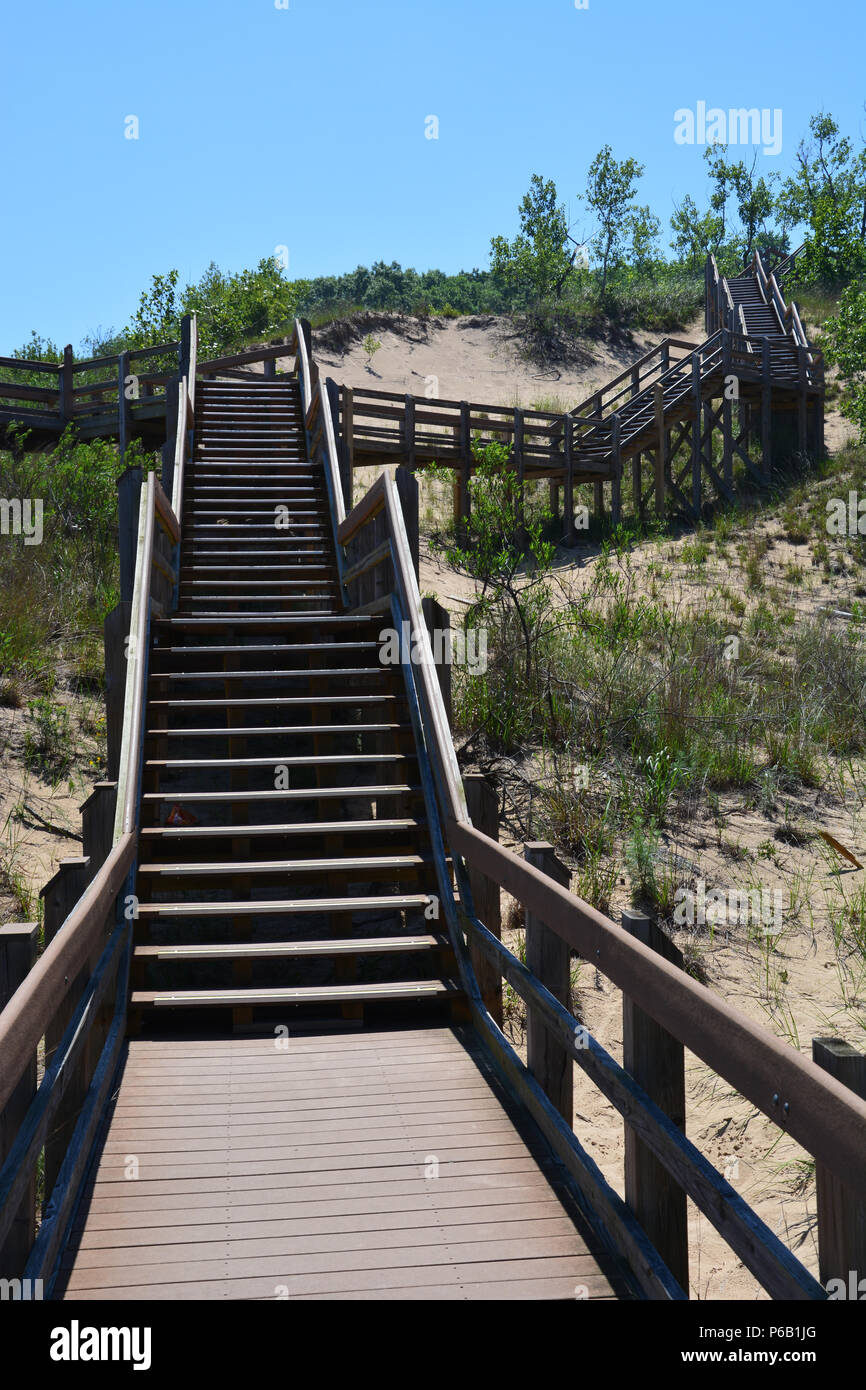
538 262
157 318
827 192
610 188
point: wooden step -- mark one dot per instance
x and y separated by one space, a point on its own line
286 907
310 994
373 792
321 827
362 864
278 760
276 950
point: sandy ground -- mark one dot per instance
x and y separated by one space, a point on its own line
478 359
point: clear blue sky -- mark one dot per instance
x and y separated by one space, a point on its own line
305 127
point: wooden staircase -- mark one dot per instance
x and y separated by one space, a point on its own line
284 869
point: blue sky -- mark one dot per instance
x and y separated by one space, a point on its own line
304 127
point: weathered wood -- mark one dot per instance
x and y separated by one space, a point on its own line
18 948
841 1212
407 489
661 448
115 633
59 896
696 435
549 959
67 386
827 1119
656 1060
570 533
438 621
483 805
766 412
616 480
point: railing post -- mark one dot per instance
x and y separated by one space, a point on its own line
18 948
656 1060
409 433
124 405
727 409
438 620
67 386
616 481
483 805
60 895
568 500
520 469
802 370
696 434
766 412
348 450
128 503
841 1214
407 490
463 497
185 345
661 448
172 401
549 959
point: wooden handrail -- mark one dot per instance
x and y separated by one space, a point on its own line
822 1115
133 707
33 1005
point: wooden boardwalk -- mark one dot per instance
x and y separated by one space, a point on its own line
303 1173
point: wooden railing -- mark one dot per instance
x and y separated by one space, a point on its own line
77 392
86 965
818 1112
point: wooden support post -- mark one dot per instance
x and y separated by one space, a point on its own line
172 396
115 630
697 453
348 423
128 500
185 350
407 490
438 621
568 501
520 469
598 487
802 366
616 481
727 410
549 959
841 1214
124 405
464 475
409 434
269 368
766 413
656 1060
554 499
67 386
661 449
306 329
483 805
637 509
18 948
97 824
60 895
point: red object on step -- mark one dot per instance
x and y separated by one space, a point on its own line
178 816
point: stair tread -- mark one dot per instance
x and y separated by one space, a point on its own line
272 907
261 866
316 994
335 827
253 950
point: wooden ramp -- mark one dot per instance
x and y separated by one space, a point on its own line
307 1172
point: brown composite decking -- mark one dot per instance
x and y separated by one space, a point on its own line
300 1173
